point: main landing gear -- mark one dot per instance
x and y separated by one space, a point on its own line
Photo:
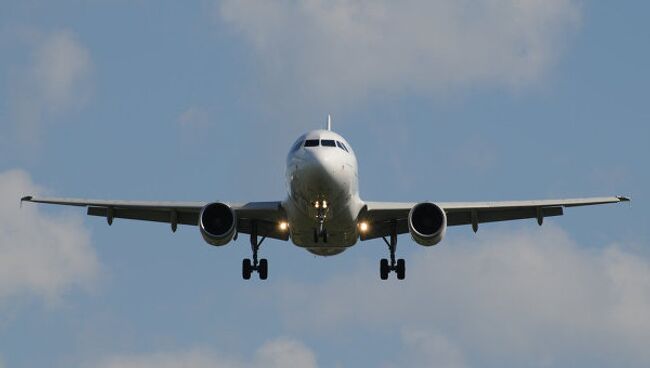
261 266
398 266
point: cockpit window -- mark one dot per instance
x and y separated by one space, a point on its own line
327 143
311 143
342 146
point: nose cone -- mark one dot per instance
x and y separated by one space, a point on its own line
322 167
325 159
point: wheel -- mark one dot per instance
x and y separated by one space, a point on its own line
400 269
263 269
315 236
383 269
246 269
324 236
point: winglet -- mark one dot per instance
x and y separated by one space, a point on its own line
25 198
623 198
329 122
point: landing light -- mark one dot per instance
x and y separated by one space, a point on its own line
363 226
324 204
283 226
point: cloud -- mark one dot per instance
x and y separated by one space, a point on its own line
476 153
55 81
344 50
194 124
429 349
40 254
194 118
61 66
278 353
527 297
285 353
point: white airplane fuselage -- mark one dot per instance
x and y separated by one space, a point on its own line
323 187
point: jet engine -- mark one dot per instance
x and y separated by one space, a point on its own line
427 223
218 223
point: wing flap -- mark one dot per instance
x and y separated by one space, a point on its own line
455 218
157 215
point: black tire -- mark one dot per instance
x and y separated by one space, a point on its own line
315 236
400 269
383 269
324 236
263 269
246 269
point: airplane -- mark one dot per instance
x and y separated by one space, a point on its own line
323 212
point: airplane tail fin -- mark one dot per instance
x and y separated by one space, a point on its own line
329 122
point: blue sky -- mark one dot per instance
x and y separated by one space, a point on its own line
446 100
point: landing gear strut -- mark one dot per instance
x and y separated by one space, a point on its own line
320 232
398 265
261 266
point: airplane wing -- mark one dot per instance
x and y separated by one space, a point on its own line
266 214
381 216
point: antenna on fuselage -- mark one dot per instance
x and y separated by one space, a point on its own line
329 122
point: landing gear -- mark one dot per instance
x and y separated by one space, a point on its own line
400 269
383 269
246 268
320 234
261 266
399 266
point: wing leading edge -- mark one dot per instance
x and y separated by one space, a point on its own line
382 215
265 214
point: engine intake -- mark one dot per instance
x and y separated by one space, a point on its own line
218 223
427 223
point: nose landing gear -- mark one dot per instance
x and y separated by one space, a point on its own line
399 266
261 266
320 232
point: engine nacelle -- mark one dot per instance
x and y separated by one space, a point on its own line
427 223
218 223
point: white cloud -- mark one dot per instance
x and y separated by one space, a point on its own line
61 68
528 298
194 118
429 349
281 353
55 81
194 124
278 353
476 153
194 358
40 254
345 50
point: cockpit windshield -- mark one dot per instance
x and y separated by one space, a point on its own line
327 143
311 143
320 142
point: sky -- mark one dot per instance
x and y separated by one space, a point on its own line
442 100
